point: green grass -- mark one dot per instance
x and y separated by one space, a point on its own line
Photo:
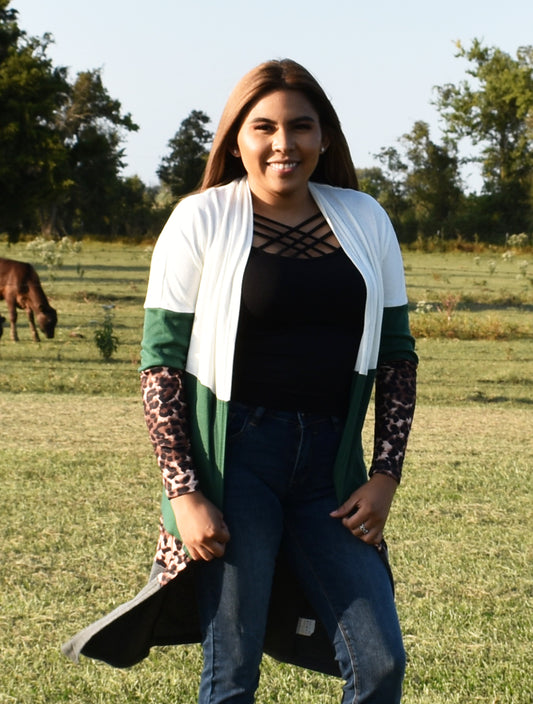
80 490
491 279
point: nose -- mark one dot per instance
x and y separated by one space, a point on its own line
282 141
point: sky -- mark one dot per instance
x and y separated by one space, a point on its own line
377 61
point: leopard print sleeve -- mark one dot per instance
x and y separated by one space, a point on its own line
394 408
165 412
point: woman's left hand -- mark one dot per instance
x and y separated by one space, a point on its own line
366 511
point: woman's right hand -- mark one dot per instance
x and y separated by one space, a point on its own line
201 526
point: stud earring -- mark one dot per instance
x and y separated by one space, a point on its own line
322 150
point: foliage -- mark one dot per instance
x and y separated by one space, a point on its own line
419 182
32 91
387 185
494 112
92 125
419 186
104 337
60 141
182 169
432 183
51 253
434 323
136 214
518 240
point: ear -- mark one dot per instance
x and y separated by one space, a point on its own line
234 151
325 145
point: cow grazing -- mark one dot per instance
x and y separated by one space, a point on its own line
21 288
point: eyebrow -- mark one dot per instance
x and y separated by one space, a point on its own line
301 118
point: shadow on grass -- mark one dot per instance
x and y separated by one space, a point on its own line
480 397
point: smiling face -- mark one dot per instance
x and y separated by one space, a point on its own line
279 143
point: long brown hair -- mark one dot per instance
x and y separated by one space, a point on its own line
335 166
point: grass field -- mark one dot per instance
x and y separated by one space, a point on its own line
80 491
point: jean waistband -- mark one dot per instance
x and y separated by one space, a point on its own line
299 417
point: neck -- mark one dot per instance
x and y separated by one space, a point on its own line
291 210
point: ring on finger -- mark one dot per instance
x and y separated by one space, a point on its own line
364 530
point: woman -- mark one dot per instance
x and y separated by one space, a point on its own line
276 297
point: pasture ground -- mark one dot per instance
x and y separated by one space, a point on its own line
80 492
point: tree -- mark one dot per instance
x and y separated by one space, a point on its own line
136 213
60 143
92 125
31 152
10 32
432 183
373 181
391 192
418 185
495 113
182 169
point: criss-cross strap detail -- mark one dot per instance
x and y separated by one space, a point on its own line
311 238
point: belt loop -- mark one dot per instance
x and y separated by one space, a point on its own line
257 415
337 423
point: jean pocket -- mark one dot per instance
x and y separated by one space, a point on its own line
239 417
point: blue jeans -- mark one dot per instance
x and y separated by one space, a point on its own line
278 496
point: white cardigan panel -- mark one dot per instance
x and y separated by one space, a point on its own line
200 257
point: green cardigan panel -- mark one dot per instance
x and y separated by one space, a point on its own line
396 339
166 337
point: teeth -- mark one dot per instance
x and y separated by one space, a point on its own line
283 167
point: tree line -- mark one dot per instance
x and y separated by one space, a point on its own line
62 154
487 121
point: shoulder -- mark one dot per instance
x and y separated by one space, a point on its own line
352 207
209 219
210 199
347 197
197 216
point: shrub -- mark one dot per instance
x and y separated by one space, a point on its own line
51 252
104 337
464 326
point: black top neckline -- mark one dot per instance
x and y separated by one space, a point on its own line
307 240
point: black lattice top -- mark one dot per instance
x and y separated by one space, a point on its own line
301 320
311 238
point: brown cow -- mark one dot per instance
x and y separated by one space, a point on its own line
21 288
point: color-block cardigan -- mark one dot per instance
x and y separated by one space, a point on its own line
191 317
